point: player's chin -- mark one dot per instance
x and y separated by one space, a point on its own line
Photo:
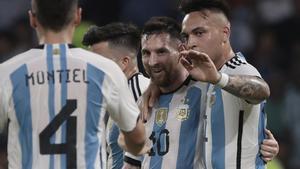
158 77
160 81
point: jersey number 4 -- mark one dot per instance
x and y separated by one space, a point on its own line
69 147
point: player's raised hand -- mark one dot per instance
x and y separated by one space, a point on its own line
199 66
269 148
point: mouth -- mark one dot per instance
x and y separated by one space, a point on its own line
156 73
156 70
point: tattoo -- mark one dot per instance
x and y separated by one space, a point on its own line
251 88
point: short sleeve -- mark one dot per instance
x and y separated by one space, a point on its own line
120 104
246 69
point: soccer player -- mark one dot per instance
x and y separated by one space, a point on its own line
119 42
55 97
178 142
235 114
175 127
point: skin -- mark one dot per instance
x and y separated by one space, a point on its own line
207 49
160 59
269 148
124 58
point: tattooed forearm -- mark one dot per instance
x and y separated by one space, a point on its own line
251 88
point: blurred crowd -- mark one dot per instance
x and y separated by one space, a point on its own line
266 31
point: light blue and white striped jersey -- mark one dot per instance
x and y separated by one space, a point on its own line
235 128
176 129
137 85
55 98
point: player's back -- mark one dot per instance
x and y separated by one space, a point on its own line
57 99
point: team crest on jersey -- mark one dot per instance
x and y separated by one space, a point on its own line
182 112
56 51
161 116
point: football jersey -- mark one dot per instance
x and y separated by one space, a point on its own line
137 84
55 98
176 129
235 128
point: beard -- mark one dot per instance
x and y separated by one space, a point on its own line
161 79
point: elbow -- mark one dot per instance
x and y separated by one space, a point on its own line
134 141
138 147
263 93
266 92
135 147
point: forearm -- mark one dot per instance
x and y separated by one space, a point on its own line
251 88
133 141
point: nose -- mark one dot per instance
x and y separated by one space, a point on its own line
152 60
191 42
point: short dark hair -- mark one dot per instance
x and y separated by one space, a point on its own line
118 34
54 14
156 25
188 6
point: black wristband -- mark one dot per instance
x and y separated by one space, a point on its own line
132 161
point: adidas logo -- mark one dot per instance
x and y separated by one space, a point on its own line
234 62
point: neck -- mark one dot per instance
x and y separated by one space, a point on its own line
179 78
227 55
50 37
130 72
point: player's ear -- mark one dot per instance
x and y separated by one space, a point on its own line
78 16
226 33
32 18
125 60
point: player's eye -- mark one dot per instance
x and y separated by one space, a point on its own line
162 51
198 33
145 53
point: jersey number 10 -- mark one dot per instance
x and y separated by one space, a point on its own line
164 135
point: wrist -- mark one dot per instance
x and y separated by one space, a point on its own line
132 160
223 80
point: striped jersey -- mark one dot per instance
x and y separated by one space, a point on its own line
176 129
235 128
55 98
137 84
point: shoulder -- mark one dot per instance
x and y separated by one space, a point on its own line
238 65
107 66
21 58
11 65
198 84
237 61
